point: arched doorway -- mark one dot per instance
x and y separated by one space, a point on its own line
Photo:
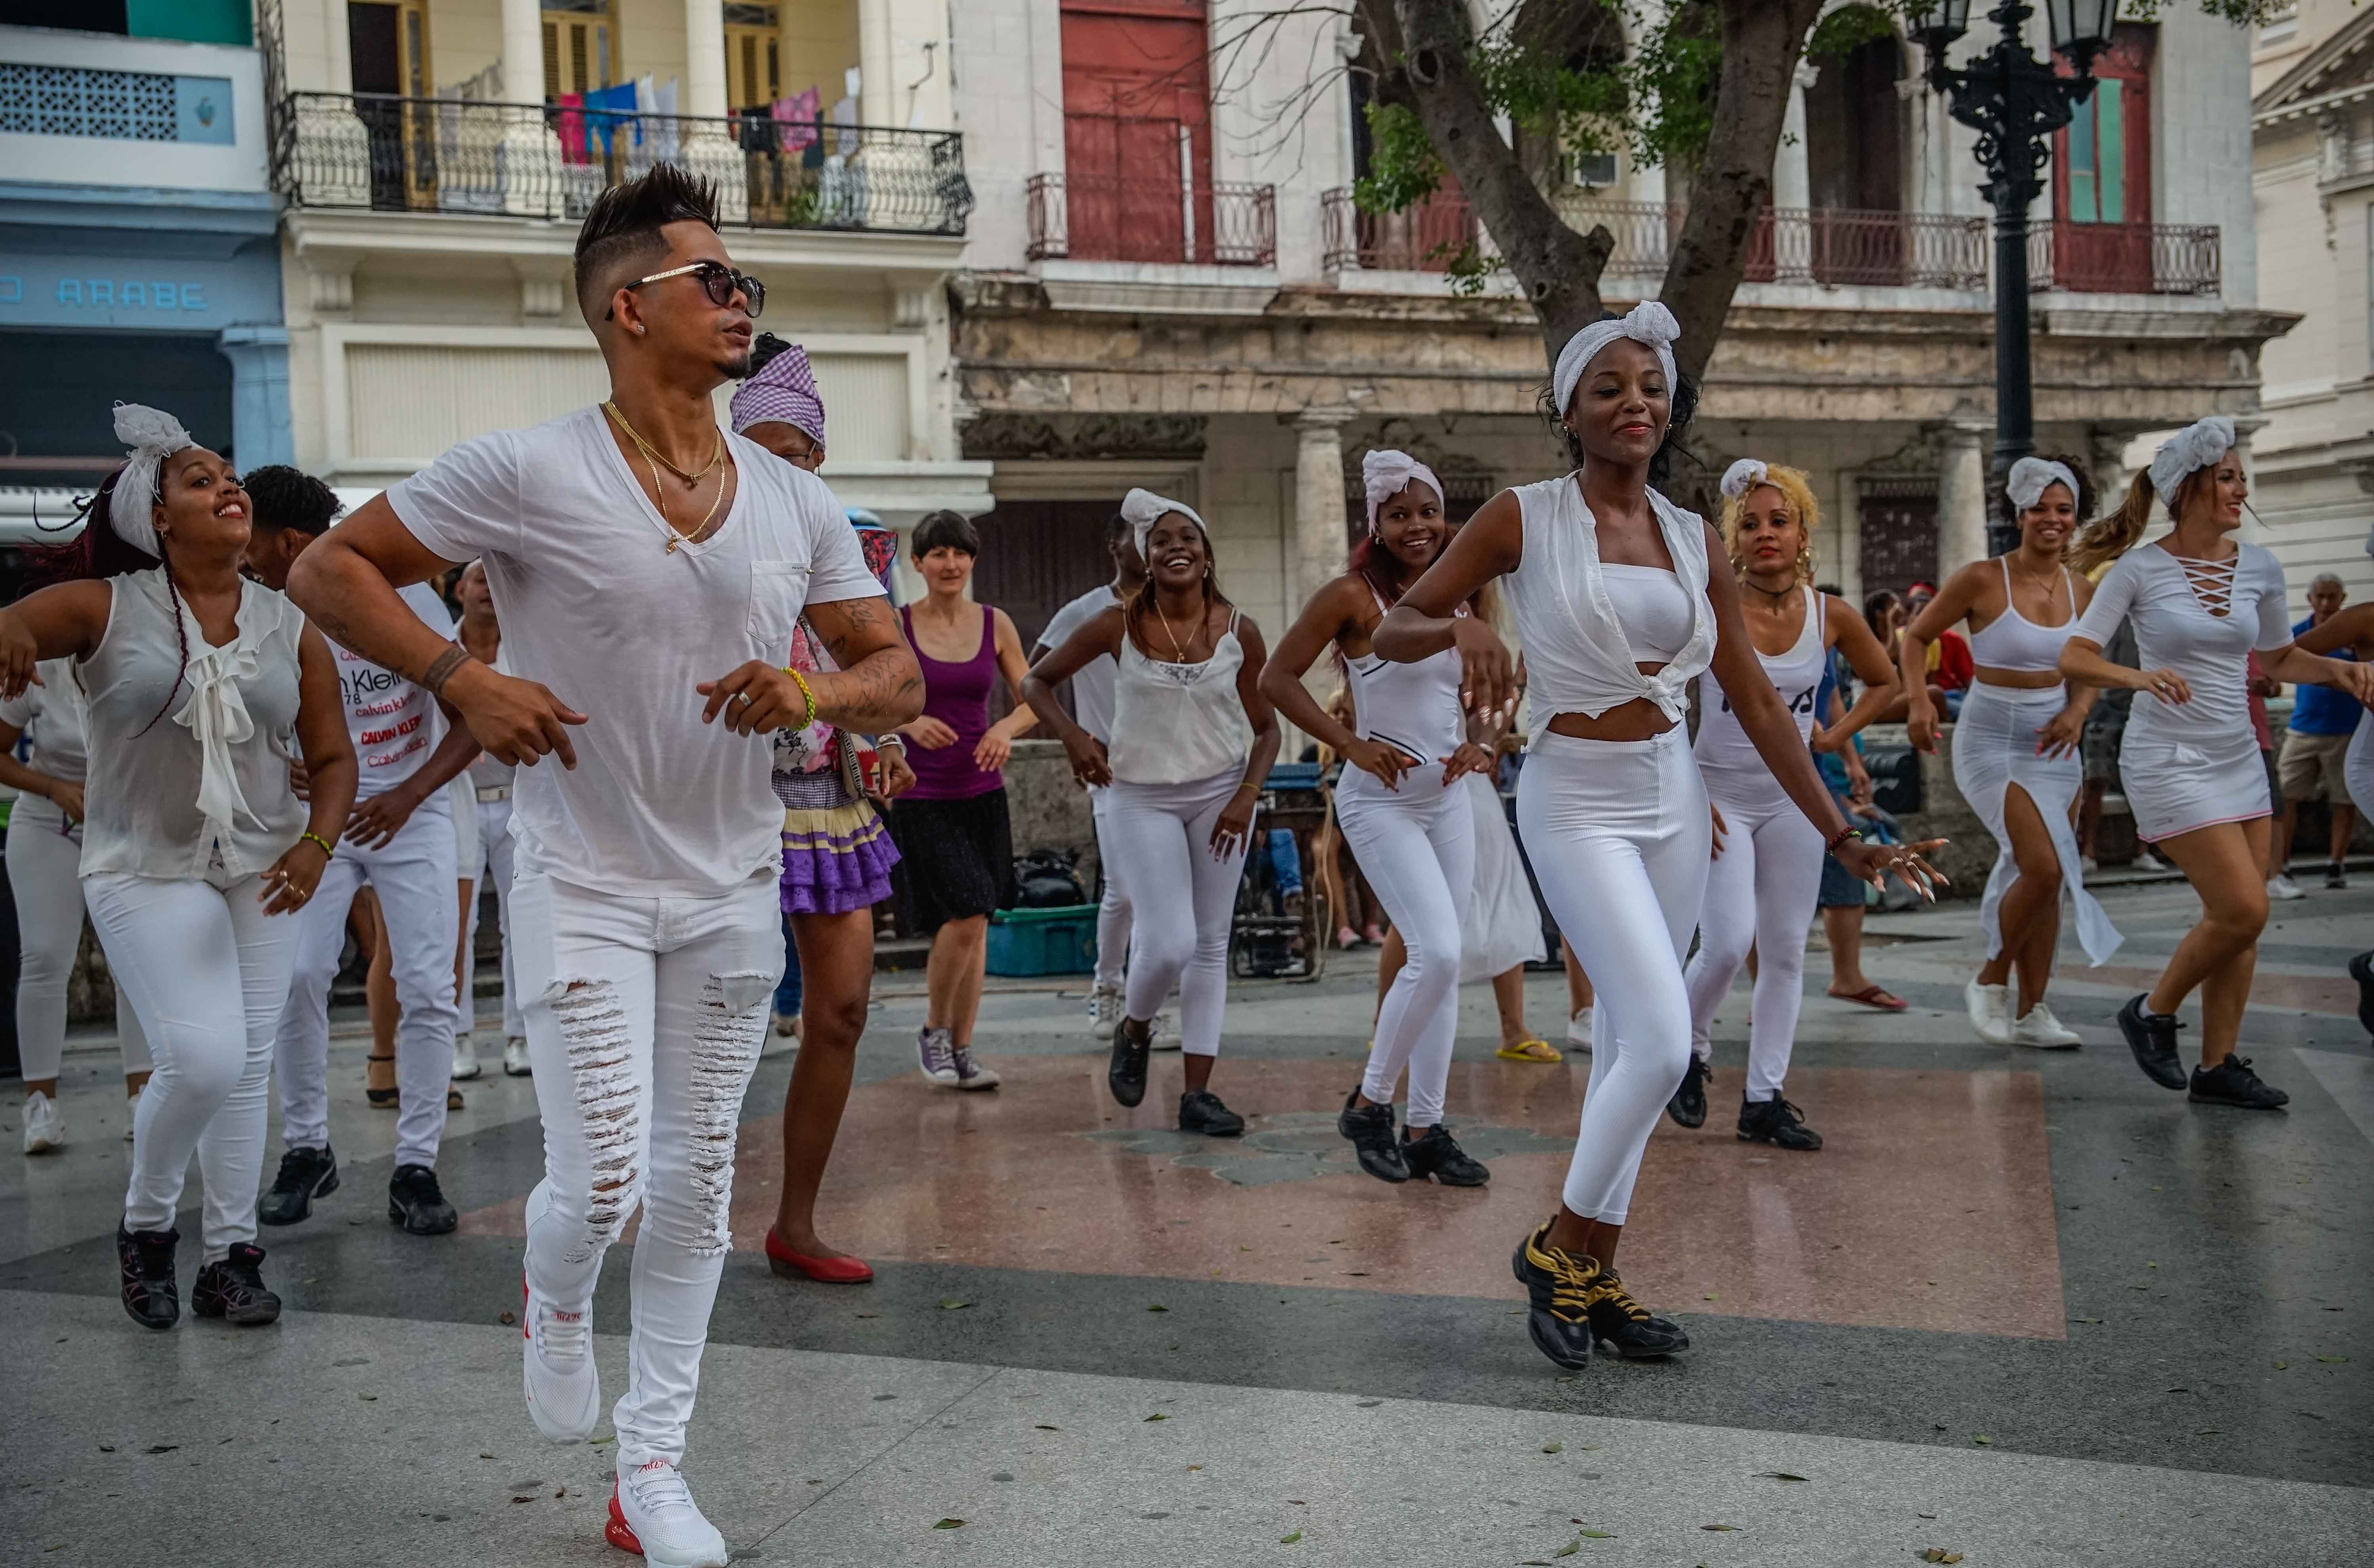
1855 164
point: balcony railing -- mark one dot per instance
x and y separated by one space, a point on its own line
2124 258
546 161
1141 218
1425 237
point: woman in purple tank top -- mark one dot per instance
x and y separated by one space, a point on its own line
956 846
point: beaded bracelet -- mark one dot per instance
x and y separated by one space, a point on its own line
1840 837
802 681
327 848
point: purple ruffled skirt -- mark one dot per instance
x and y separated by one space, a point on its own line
836 855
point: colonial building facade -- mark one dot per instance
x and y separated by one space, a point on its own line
2312 122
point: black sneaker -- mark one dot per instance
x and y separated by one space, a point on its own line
2361 969
305 1175
145 1261
1688 1106
1777 1122
416 1202
1623 1326
1436 1153
234 1289
2153 1039
1370 1130
2335 877
2231 1082
1132 1039
1556 1280
1200 1111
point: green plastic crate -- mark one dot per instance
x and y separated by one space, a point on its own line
1043 942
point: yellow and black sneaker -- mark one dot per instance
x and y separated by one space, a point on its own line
1556 1284
1623 1325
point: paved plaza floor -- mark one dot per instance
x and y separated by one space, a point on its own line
2025 1307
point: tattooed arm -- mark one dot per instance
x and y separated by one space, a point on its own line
878 686
345 583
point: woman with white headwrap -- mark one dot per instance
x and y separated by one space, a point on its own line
1621 599
2353 628
1192 740
1766 875
2015 741
200 684
1403 810
2200 601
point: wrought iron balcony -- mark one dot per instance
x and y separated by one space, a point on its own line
1152 219
2124 258
550 160
1425 237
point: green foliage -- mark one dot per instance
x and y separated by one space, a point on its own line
1404 168
1841 31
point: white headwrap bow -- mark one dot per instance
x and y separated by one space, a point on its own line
216 714
1743 476
2198 445
1387 473
1648 322
153 434
1142 508
2026 483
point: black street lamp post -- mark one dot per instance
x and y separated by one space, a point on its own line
2015 102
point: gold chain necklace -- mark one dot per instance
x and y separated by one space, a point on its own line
676 535
691 478
1175 646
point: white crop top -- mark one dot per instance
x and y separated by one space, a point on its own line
1723 746
1178 723
1577 651
2168 601
1652 607
1412 708
2011 641
210 777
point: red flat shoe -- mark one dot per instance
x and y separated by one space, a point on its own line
1871 996
825 1270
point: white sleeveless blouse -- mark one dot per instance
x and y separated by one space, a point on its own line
203 792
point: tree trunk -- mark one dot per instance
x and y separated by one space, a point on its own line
1762 43
1423 45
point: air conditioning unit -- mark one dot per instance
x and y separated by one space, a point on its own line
1595 171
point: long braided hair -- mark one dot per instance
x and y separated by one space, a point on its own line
100 553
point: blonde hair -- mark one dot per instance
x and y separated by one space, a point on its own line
2113 535
1795 489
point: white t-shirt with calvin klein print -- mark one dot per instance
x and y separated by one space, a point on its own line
393 723
596 606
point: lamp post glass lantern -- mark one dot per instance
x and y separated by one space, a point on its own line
2015 102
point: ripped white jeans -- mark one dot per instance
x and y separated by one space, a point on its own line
645 1018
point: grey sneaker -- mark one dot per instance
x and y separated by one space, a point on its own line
936 1054
971 1074
1104 1011
1165 1032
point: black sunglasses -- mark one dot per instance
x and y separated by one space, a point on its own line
720 281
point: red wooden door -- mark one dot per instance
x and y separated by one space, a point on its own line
2102 173
1138 133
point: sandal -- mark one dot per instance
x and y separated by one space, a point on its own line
1871 996
1530 1050
454 1101
380 1099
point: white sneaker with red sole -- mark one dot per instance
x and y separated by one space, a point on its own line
652 1512
563 1387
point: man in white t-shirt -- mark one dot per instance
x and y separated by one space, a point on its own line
648 569
399 842
1092 705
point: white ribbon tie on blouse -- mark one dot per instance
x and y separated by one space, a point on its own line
216 714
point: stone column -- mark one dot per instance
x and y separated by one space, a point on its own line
259 394
707 147
331 166
1319 527
1962 495
527 152
1792 180
2106 455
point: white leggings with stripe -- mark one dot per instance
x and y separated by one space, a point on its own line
1617 833
1760 893
1416 846
1181 897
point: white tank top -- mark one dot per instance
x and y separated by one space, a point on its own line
1652 607
1723 746
2011 641
1580 658
203 794
1178 723
1412 708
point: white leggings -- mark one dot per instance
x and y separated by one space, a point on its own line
1760 891
1617 833
1181 897
645 1018
42 875
1417 847
207 971
1112 909
493 869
